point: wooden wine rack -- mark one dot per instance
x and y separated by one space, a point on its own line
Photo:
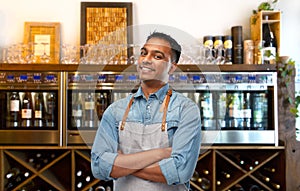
216 160
60 173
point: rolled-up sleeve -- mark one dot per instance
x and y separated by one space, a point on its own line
179 168
104 150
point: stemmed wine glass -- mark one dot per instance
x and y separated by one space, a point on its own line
44 57
30 56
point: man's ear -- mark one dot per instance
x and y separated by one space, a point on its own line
172 68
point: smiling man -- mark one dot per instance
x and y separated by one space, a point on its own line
150 141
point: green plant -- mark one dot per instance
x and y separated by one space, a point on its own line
286 72
264 6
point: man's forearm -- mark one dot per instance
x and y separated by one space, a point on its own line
152 173
126 164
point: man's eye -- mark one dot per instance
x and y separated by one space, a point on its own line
143 53
158 57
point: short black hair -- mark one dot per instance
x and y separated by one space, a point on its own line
175 47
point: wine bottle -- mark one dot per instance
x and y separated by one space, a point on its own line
101 104
206 109
27 110
89 108
204 183
12 178
12 173
77 112
269 46
246 112
269 169
263 177
38 110
275 185
225 174
51 109
14 111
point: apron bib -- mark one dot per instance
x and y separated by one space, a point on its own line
136 137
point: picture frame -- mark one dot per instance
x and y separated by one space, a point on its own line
108 23
43 40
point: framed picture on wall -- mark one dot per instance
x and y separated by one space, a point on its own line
43 41
106 23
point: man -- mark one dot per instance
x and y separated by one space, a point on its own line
150 141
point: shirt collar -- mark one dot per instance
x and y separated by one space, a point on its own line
160 94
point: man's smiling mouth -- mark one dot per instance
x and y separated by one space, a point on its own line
146 68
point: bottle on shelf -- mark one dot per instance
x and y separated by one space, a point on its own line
275 185
246 112
39 110
269 169
234 107
203 182
14 109
27 110
77 112
263 177
102 104
225 174
12 173
89 110
51 109
269 45
206 109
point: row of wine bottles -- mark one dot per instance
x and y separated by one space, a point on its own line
233 110
32 109
87 109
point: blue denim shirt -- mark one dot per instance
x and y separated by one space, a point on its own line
183 127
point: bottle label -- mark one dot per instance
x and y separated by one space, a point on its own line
228 44
77 113
218 43
89 105
208 43
269 54
37 114
15 105
26 113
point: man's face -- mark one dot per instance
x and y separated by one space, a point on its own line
155 61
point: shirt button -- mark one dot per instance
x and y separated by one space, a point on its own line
148 106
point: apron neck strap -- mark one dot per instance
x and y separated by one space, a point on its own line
164 119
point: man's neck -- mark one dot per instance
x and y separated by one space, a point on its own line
151 86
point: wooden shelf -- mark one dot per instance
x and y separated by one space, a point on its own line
132 68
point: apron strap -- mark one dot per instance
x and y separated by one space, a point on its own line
164 119
126 113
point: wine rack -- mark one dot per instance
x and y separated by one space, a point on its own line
48 169
237 168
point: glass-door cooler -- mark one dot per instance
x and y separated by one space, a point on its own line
88 95
30 108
